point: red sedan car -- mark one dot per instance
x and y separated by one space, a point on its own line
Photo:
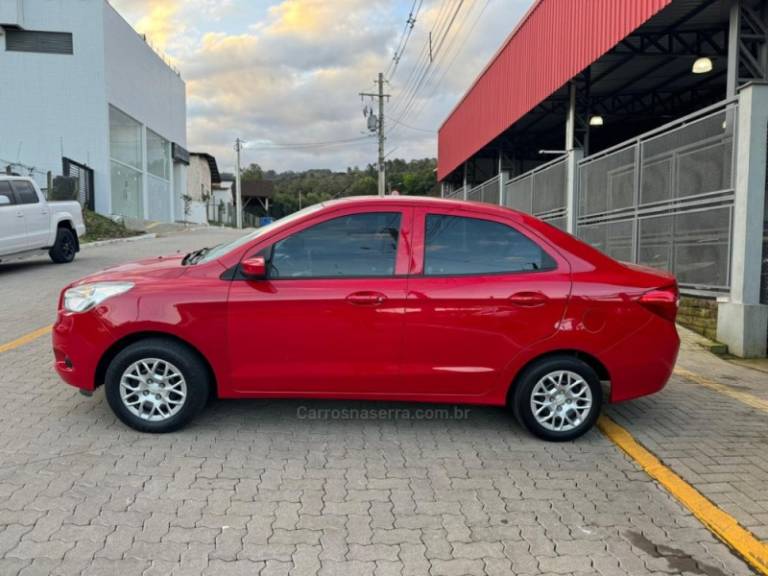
393 298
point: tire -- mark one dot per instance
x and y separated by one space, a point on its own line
156 405
65 247
565 411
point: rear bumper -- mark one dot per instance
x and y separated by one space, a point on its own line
643 363
80 230
79 342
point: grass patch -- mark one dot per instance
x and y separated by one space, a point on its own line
98 227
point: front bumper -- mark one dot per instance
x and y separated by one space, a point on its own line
79 342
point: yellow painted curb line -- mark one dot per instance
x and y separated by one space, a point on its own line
722 524
26 339
744 397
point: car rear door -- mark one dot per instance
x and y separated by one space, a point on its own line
37 219
328 319
13 235
481 291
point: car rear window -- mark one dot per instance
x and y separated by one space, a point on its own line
458 245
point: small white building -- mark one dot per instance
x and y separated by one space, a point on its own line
202 179
84 95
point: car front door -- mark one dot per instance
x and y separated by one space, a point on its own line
482 290
37 219
328 318
13 235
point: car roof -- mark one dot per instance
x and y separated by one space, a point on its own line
427 201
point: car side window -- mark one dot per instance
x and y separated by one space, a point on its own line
25 192
457 245
5 190
353 246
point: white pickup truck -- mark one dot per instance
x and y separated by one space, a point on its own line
29 223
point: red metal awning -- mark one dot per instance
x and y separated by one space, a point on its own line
554 41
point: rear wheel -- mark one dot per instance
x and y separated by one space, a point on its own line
65 247
156 385
558 398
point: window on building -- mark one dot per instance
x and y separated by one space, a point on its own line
38 41
25 192
124 139
456 245
359 245
158 155
127 195
125 150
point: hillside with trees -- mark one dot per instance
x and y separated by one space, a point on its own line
292 189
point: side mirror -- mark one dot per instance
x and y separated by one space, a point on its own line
255 267
4 200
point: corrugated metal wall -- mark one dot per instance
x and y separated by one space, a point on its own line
556 41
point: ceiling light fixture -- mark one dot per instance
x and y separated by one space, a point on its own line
596 120
702 65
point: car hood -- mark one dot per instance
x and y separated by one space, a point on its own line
161 267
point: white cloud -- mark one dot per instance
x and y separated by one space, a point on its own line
291 71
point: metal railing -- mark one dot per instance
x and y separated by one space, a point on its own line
665 198
457 194
488 191
541 192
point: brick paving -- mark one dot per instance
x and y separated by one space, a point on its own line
255 487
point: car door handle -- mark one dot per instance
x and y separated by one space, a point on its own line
529 299
366 298
19 214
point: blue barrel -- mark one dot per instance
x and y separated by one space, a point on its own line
264 220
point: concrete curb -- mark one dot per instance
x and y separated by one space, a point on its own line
119 240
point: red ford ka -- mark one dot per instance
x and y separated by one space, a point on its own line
407 299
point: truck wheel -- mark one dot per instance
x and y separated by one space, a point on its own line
156 385
65 247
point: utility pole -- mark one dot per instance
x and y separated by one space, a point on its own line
380 129
239 191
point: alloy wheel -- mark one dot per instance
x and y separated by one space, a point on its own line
561 401
153 389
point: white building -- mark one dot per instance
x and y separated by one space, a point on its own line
82 90
202 178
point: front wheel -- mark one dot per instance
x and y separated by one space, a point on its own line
64 249
157 385
558 398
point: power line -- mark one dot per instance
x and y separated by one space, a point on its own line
419 107
442 28
428 68
404 38
425 58
310 145
404 125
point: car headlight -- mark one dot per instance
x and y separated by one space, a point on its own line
86 296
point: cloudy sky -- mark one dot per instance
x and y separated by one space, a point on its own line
284 75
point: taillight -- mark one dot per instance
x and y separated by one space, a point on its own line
662 301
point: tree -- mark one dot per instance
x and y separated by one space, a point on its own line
414 178
252 172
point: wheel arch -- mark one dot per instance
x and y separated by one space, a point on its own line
592 361
124 342
68 225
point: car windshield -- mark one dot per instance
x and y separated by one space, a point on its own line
221 249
